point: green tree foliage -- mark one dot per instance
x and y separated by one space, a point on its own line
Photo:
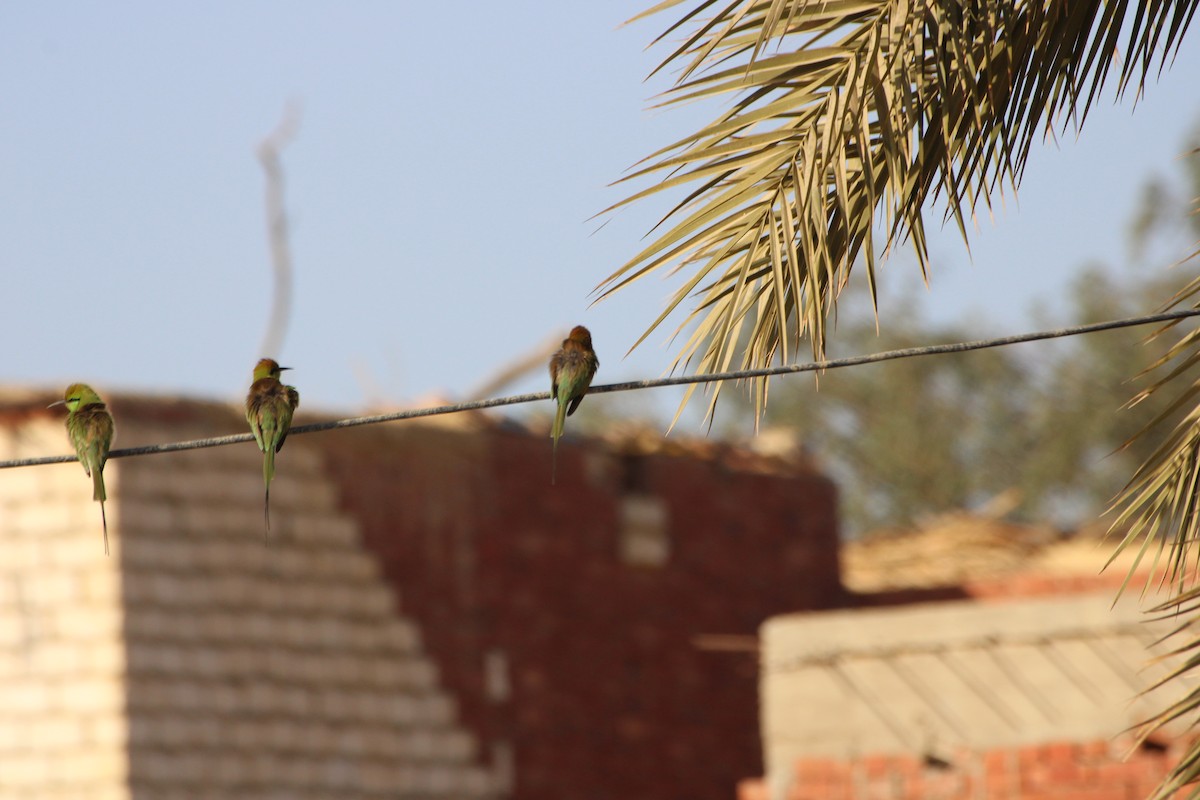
918 436
903 438
1050 420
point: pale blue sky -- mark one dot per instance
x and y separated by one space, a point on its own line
440 162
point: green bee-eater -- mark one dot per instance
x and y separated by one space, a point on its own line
90 428
269 409
571 370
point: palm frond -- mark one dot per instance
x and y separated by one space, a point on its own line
848 118
1159 511
1181 608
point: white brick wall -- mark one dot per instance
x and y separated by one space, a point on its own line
198 660
62 693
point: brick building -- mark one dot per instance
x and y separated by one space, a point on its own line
430 619
975 659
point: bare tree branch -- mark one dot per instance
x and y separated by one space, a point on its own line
277 229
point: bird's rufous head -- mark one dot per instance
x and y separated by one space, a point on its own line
267 368
581 335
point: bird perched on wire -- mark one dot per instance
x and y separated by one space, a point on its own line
572 368
269 409
90 428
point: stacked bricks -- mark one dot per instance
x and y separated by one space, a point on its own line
1098 770
62 722
1050 585
430 619
220 664
578 657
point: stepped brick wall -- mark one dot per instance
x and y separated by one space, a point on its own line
430 618
572 621
198 660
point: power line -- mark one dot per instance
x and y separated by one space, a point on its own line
681 380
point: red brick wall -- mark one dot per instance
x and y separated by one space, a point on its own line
1023 585
1097 770
609 695
1035 584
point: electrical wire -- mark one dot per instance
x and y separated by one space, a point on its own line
681 380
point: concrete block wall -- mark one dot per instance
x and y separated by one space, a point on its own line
1013 698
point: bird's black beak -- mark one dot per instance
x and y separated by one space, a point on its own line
281 369
57 403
